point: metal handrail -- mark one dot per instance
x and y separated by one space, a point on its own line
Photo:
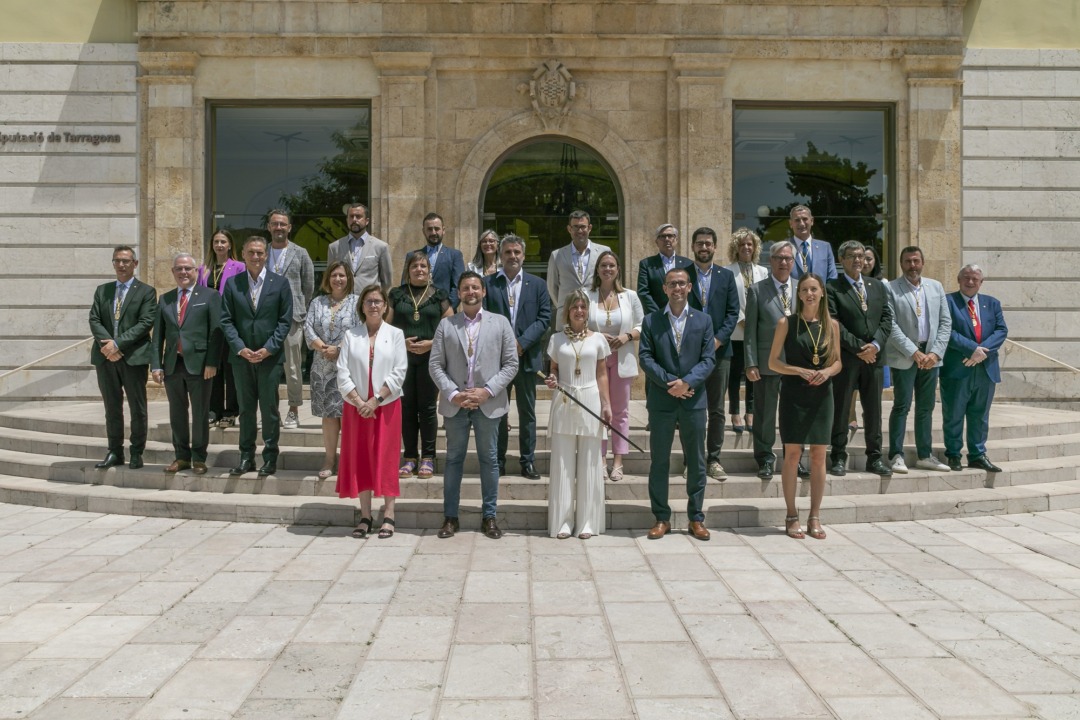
51 355
1042 355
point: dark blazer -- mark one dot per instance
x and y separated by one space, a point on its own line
448 269
137 315
722 305
200 335
856 326
265 327
533 315
650 281
822 261
662 363
763 311
962 339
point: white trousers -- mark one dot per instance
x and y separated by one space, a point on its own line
576 492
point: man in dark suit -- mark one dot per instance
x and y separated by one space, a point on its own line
811 255
652 270
523 300
256 315
714 291
187 350
446 263
677 354
121 318
970 370
860 304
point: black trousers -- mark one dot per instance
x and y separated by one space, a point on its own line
525 385
223 402
661 437
766 395
870 381
185 390
257 390
715 390
736 377
115 380
419 409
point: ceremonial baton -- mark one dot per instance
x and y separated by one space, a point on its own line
582 406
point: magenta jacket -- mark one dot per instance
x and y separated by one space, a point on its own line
232 267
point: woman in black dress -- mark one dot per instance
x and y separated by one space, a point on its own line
810 341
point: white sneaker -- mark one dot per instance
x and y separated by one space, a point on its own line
291 421
716 471
898 465
931 463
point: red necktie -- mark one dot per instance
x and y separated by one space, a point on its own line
180 316
975 324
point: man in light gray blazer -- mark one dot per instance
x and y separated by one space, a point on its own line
572 267
920 334
291 261
366 255
473 359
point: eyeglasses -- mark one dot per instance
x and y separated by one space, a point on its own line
677 283
183 268
374 303
783 258
668 236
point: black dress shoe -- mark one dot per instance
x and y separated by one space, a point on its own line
838 468
268 468
502 469
490 529
954 463
879 467
983 463
136 461
803 471
449 528
111 460
528 471
765 470
246 465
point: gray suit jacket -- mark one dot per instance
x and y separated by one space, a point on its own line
763 312
297 268
903 340
372 266
563 279
495 367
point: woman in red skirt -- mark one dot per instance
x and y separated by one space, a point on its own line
371 369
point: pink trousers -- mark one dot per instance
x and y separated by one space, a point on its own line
619 390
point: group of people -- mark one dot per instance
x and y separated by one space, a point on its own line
459 339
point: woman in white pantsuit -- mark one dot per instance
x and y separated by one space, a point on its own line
578 359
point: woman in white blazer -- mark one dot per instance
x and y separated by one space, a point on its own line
370 371
616 313
744 250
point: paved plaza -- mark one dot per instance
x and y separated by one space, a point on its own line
112 617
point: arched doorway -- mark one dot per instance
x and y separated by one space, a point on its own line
532 189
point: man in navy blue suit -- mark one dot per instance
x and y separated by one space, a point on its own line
523 300
811 255
446 263
970 370
714 291
652 270
677 354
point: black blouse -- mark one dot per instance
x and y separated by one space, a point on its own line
431 310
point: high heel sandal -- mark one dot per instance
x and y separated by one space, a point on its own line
749 419
361 532
816 533
387 532
793 532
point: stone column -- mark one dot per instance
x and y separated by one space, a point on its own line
934 162
166 163
404 150
703 137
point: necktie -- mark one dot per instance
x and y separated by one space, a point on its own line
784 299
806 255
180 318
975 324
121 291
861 294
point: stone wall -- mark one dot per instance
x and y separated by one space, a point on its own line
67 200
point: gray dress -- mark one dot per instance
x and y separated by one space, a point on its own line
329 326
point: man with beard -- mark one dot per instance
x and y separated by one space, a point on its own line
714 291
653 269
473 360
292 262
366 255
571 267
446 263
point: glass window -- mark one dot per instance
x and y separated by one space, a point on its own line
835 160
309 160
532 192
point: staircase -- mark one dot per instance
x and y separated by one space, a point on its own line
47 456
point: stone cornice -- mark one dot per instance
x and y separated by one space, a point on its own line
168 63
402 63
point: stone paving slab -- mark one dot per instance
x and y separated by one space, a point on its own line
120 616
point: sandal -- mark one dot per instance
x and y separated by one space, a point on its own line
407 470
562 536
427 469
791 523
361 532
326 472
585 536
816 533
386 532
616 473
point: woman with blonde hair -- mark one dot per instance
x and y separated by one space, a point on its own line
744 250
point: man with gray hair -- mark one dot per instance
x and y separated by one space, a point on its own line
366 255
651 270
811 255
187 350
522 298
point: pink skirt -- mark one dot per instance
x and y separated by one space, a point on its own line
370 452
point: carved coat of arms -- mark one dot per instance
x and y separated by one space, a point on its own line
552 91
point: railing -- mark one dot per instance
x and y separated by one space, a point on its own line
1033 351
32 363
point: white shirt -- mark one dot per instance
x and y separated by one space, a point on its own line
678 324
255 291
580 260
923 318
513 289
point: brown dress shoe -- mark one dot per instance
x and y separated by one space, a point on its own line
659 530
698 530
199 468
449 528
490 529
177 466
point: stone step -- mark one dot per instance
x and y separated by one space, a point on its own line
525 515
